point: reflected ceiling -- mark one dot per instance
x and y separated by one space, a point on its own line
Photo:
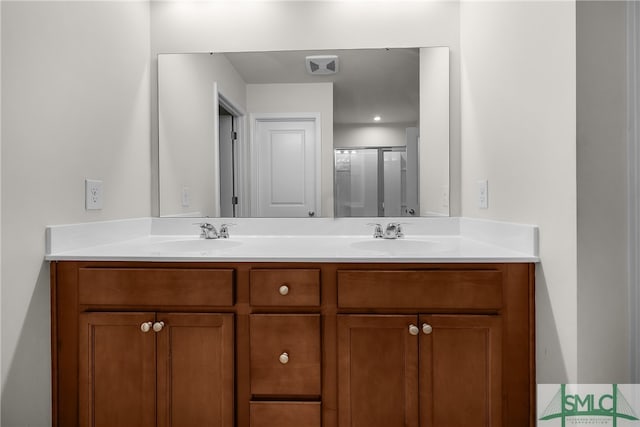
370 82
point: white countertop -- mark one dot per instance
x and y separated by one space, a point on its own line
427 240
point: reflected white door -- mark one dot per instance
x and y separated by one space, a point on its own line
286 167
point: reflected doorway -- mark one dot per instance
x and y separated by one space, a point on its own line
228 137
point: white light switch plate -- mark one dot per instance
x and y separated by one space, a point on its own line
483 194
444 192
186 196
93 194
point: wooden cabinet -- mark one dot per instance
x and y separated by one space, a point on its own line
117 370
285 287
285 355
377 371
460 371
156 369
285 414
143 347
428 370
285 348
195 370
243 344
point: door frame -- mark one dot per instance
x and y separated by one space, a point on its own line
254 119
633 163
239 169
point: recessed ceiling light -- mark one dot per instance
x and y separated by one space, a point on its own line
377 118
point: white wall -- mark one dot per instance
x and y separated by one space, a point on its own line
603 344
518 131
219 26
188 154
361 135
302 98
434 131
75 104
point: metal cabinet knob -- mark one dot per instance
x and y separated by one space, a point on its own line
146 326
284 358
413 329
427 328
284 290
157 327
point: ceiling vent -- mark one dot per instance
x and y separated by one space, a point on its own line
322 65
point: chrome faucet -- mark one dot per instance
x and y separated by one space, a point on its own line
224 231
393 231
377 230
208 231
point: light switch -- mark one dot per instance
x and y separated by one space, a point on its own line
186 196
483 194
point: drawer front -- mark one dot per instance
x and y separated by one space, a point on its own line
285 414
285 355
155 287
285 287
472 289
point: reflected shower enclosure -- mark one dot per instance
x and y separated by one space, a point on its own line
373 182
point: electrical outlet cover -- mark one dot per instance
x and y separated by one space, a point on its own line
93 194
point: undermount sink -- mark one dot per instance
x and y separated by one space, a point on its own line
195 245
395 246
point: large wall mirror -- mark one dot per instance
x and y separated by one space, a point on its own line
304 133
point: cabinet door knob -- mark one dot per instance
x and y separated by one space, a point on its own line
284 358
427 328
413 329
284 290
157 327
146 326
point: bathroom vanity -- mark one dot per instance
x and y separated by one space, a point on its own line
291 338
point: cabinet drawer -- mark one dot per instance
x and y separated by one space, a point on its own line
285 354
285 414
285 287
155 287
472 289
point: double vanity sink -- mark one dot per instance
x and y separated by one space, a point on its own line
320 239
293 322
293 247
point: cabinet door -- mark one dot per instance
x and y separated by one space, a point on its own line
460 371
377 371
195 370
117 362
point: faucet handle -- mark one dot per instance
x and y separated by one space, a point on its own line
377 231
224 230
207 230
399 229
394 230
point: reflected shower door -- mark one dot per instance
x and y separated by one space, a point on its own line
371 182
